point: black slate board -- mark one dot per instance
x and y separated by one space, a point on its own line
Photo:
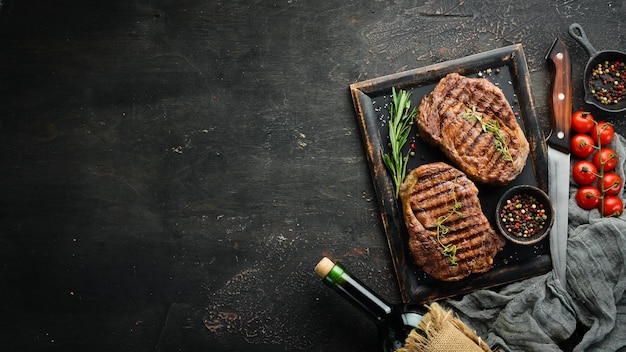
505 67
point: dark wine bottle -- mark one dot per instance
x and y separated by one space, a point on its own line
394 322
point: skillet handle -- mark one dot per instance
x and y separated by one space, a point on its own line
577 32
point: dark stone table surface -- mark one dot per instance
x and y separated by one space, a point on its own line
173 170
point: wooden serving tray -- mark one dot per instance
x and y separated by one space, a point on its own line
506 67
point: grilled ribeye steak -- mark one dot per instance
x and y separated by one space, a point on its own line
450 118
449 236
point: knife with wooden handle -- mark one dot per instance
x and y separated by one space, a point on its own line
559 153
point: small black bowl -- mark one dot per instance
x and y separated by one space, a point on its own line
529 222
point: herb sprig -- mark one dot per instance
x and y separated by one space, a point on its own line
491 126
448 250
400 121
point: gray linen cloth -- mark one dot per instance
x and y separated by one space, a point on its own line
539 313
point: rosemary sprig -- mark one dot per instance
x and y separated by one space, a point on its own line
491 126
448 250
400 122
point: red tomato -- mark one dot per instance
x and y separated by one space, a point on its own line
610 183
588 197
584 172
612 206
604 131
582 145
582 121
606 157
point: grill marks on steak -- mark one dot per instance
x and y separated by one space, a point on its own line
441 123
428 193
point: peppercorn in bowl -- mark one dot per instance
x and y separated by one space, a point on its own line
524 214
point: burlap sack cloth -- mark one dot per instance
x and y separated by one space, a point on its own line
441 331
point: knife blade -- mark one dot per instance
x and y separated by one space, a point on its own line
559 154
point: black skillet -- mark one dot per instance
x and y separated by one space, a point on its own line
577 32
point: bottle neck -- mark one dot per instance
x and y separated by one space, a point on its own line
355 292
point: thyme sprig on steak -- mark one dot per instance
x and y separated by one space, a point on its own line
401 119
449 250
491 126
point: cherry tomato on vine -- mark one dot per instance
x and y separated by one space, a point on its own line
612 206
611 183
584 172
588 197
605 131
582 145
606 156
582 121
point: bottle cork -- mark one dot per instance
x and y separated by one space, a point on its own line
324 267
